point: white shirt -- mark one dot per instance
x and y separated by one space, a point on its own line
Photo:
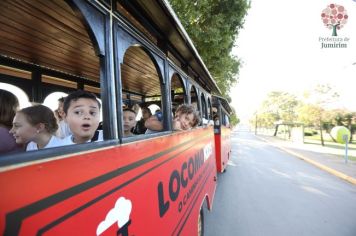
149 131
63 130
69 139
207 122
53 142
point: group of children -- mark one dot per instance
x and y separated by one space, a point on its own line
37 127
77 121
186 117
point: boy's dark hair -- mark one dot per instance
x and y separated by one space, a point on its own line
41 114
77 95
128 109
147 109
189 109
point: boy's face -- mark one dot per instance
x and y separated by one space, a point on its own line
22 130
83 117
129 120
184 121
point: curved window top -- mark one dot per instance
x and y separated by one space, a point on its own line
139 74
210 117
141 92
19 93
178 94
194 97
204 108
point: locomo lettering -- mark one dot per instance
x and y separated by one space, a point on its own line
208 149
178 178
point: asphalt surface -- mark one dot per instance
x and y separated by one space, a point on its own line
322 156
267 191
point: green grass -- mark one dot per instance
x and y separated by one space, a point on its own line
329 145
328 139
335 148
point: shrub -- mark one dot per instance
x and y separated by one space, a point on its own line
310 132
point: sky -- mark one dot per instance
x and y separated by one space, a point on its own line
280 49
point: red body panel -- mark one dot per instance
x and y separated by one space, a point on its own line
155 186
222 148
219 165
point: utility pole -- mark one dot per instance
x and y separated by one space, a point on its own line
256 125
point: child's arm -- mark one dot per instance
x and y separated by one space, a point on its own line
154 124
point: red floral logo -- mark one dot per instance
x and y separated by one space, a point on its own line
334 17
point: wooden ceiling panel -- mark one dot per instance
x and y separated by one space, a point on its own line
139 74
139 64
47 33
62 10
139 83
13 35
21 46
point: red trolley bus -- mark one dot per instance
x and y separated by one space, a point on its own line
128 53
222 133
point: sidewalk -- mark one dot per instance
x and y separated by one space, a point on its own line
317 155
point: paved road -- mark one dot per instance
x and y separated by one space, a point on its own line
266 191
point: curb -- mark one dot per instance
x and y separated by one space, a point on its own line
317 164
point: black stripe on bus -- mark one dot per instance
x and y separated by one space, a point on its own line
50 153
14 219
88 204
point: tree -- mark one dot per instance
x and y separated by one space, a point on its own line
309 114
348 118
322 96
234 120
266 119
278 106
334 17
213 27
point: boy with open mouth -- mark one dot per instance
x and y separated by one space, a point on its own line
82 113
